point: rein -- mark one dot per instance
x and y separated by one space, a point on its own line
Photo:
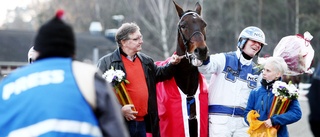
185 40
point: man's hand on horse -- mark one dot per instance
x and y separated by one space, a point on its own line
175 59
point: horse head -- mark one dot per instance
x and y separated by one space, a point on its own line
191 44
192 35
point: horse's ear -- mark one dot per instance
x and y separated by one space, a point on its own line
178 8
198 8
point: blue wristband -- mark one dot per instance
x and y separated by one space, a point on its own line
205 62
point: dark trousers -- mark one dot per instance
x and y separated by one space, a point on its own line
315 126
137 128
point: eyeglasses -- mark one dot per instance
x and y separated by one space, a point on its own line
136 39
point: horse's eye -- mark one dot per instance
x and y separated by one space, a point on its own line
182 26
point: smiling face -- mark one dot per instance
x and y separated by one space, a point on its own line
252 48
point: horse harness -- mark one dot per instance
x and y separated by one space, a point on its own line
185 40
190 98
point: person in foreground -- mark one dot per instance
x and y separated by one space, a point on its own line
260 99
313 100
142 74
56 95
233 77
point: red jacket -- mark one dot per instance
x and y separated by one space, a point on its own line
172 108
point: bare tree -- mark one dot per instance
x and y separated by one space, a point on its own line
260 12
297 17
156 24
160 19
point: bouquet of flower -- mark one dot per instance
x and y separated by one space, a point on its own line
283 94
117 79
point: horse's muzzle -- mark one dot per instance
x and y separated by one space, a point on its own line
201 53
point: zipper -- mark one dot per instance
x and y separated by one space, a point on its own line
262 104
268 100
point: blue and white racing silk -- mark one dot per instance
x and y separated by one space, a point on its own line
232 79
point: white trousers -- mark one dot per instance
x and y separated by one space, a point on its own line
227 126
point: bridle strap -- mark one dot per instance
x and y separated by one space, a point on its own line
185 40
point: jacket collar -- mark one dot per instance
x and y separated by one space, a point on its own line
117 56
242 59
267 85
126 55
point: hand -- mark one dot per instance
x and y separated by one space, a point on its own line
128 113
175 59
268 123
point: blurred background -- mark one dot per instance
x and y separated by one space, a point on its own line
95 22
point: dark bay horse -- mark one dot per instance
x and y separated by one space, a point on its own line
183 101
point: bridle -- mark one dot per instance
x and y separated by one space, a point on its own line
186 41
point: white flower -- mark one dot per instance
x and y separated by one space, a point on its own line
119 75
114 76
108 75
285 90
293 91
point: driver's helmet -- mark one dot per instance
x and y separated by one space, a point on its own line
252 33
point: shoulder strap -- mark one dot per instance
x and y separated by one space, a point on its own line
84 75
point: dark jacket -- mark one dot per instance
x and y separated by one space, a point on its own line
99 94
313 99
153 75
260 99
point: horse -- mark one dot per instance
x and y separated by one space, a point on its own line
257 127
181 98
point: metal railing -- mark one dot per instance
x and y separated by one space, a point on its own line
8 67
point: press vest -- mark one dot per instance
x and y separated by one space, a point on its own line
45 102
